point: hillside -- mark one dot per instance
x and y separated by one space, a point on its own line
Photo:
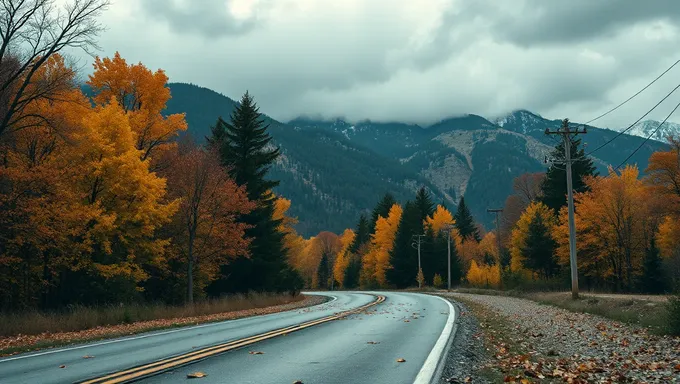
332 170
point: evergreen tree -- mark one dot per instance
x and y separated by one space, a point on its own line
352 272
362 234
652 280
424 203
403 257
538 251
244 147
322 272
554 187
382 209
465 223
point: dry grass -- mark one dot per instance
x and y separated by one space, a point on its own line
643 310
82 318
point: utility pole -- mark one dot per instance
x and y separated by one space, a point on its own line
497 211
566 133
448 230
417 242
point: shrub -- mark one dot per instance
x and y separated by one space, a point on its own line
437 281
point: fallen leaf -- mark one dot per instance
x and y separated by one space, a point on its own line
373 342
298 382
88 357
401 360
406 321
62 366
196 375
256 353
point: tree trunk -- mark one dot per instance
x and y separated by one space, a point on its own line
190 270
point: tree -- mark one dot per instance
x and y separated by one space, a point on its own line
528 186
342 257
244 147
352 272
403 258
523 231
32 33
322 271
538 248
465 223
382 209
483 276
424 203
652 279
669 244
440 219
554 186
362 235
206 231
377 260
663 174
143 95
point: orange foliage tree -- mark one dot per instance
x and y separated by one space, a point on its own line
488 276
520 234
342 257
377 259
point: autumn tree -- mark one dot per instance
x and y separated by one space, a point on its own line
528 186
342 257
554 187
377 260
209 202
244 147
32 33
483 276
524 240
381 209
143 95
465 223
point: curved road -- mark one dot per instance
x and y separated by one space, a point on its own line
410 326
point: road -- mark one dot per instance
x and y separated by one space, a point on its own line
410 326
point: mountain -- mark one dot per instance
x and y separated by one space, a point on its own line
650 128
333 170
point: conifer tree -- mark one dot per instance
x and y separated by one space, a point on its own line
554 187
352 272
403 258
382 209
465 223
245 148
652 279
362 234
424 203
539 249
322 272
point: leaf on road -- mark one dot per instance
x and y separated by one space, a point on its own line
407 321
401 360
88 357
298 382
62 366
256 353
196 375
373 342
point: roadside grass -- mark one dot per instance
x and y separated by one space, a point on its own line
76 325
79 318
632 309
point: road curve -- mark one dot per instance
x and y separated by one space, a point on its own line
405 325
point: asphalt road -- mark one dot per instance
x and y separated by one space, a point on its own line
405 325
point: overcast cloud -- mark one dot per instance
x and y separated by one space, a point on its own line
412 61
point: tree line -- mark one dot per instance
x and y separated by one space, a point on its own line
104 199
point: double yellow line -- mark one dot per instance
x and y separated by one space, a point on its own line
154 368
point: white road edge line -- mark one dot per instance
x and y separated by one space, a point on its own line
430 367
181 329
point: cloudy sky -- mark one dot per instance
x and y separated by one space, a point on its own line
414 61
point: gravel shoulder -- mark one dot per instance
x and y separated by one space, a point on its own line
517 340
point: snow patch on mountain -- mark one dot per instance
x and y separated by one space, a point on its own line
651 129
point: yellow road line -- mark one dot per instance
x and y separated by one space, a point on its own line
165 364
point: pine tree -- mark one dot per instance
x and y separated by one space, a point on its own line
465 223
322 272
403 257
352 272
362 234
652 279
554 187
382 209
244 147
424 203
539 249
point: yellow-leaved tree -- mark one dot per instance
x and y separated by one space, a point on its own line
483 276
377 260
342 259
521 233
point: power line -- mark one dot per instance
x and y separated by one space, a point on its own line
632 125
632 97
649 137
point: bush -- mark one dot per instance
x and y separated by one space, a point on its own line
673 314
437 281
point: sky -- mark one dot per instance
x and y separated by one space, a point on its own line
416 61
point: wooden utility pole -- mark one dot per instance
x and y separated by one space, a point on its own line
566 134
417 242
498 229
448 229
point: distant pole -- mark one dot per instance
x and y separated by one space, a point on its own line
448 251
418 241
566 136
498 229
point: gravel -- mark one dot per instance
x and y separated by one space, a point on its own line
567 345
466 355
